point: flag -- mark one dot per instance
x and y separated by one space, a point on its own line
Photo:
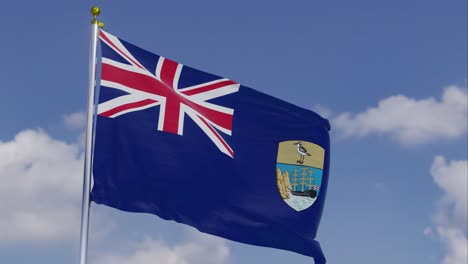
207 152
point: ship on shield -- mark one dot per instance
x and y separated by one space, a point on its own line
299 181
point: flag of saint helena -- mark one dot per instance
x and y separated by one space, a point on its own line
205 151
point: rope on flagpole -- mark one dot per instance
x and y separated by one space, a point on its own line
95 25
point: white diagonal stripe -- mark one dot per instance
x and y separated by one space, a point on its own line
126 67
122 48
211 106
131 90
218 92
222 129
193 115
202 85
134 109
116 102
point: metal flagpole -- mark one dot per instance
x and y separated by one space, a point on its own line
95 11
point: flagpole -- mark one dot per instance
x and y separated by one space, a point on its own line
95 11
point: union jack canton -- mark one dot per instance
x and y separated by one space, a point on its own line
144 88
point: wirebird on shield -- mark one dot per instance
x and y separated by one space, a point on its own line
302 151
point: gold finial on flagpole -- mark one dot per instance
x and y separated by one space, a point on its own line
95 11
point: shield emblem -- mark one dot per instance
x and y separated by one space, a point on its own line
299 170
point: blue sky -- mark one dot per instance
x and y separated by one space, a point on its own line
390 75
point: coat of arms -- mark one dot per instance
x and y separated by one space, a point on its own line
299 169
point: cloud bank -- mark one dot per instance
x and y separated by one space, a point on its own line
40 201
451 213
202 249
40 190
409 120
76 120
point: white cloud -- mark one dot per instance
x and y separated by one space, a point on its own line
428 232
453 179
41 180
451 212
456 245
322 111
202 249
410 120
75 120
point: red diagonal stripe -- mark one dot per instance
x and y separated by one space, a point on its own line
218 136
128 106
221 119
209 87
109 42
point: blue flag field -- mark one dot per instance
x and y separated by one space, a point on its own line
205 151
